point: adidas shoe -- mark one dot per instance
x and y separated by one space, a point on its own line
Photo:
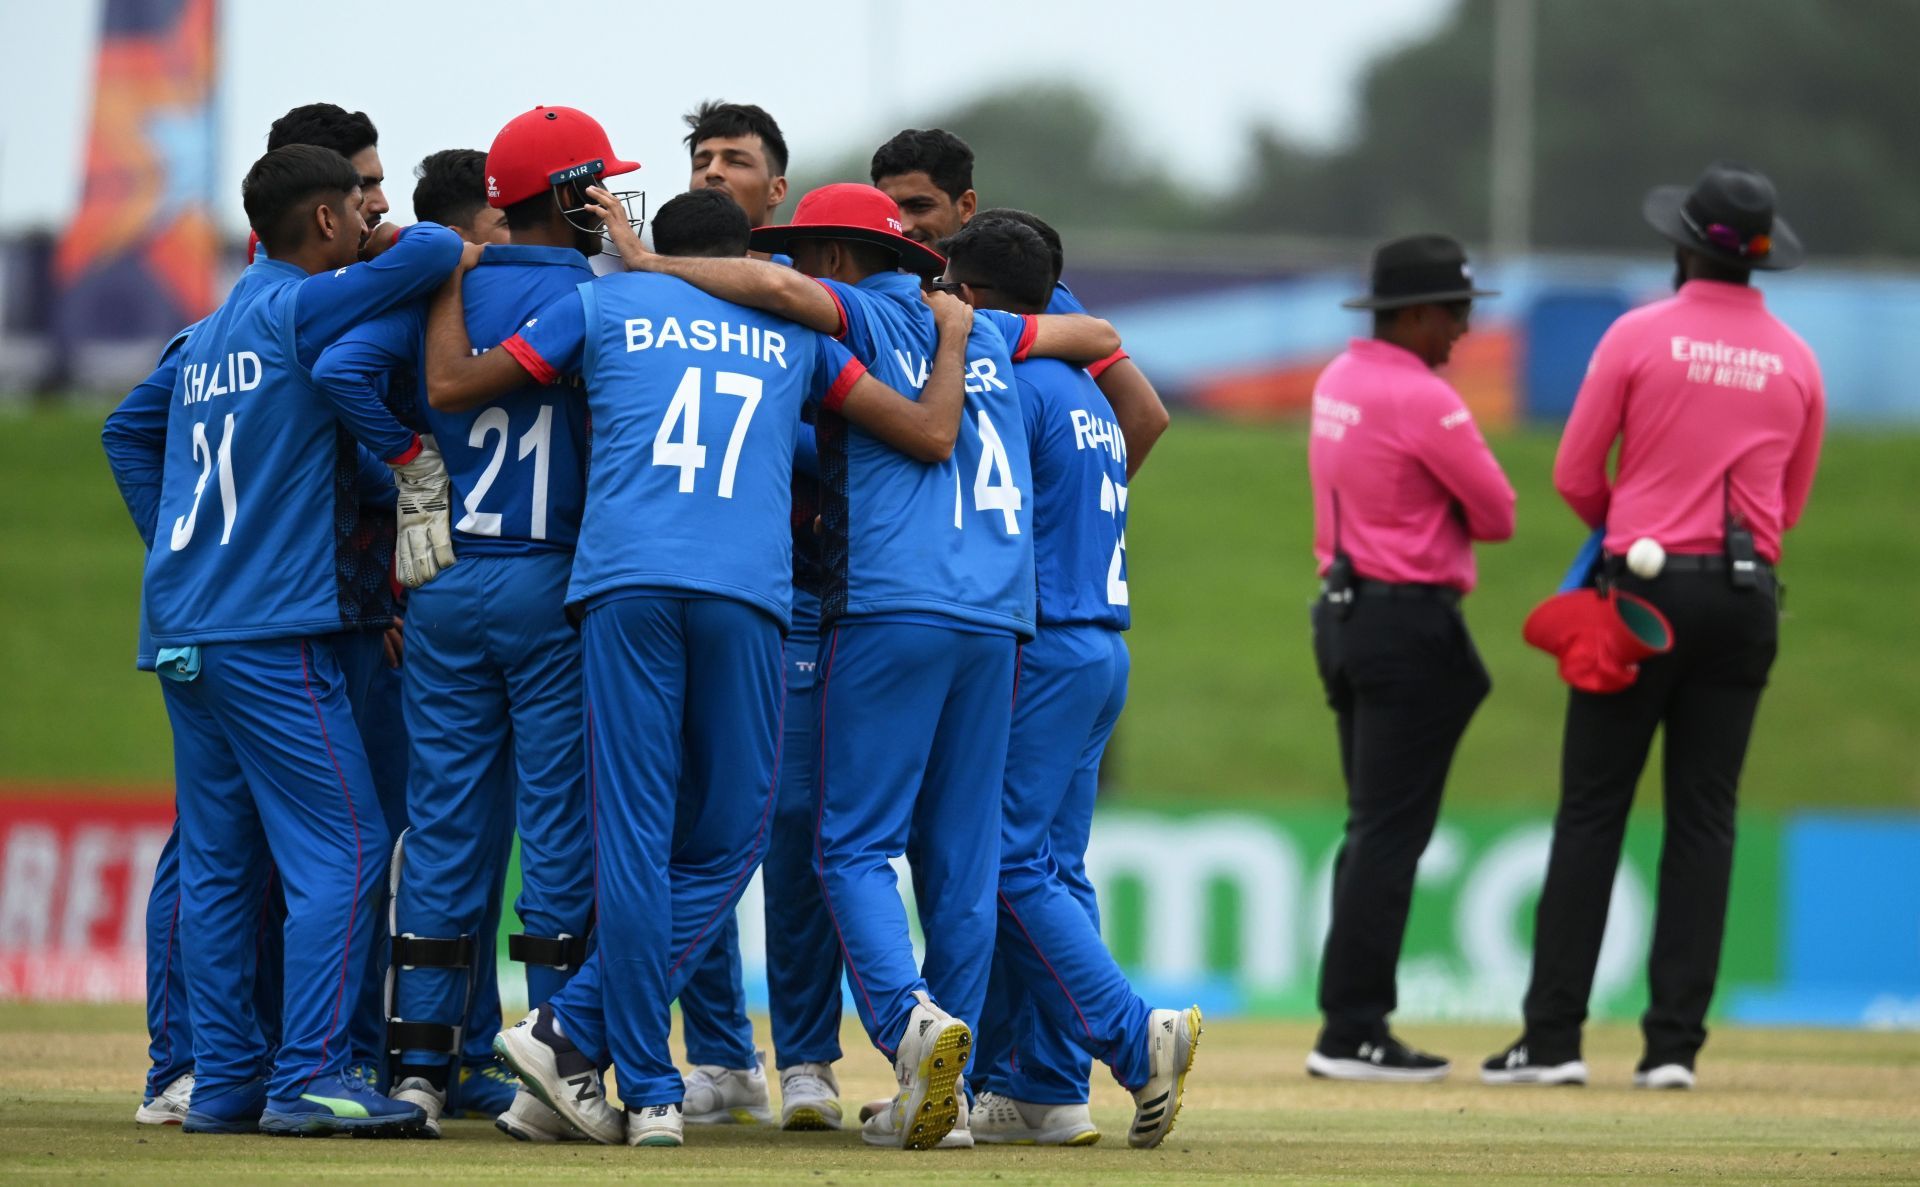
171 1106
809 1097
235 1110
1172 1036
1386 1060
926 1066
1663 1075
1003 1121
419 1091
527 1120
553 1069
656 1125
728 1096
1520 1065
337 1104
485 1090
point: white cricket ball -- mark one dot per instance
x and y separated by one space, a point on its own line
1646 558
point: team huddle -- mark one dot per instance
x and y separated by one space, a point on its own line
793 546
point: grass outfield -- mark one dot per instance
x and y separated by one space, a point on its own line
1773 1105
1225 707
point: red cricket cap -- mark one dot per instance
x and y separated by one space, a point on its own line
849 210
1599 638
545 147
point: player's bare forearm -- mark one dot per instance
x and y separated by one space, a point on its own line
458 379
1073 337
923 429
757 284
1138 408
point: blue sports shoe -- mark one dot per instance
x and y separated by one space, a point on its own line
366 1071
233 1109
342 1104
485 1091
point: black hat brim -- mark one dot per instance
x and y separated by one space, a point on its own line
1662 210
914 256
1408 300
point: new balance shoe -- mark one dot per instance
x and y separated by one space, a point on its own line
235 1109
1520 1064
1663 1075
527 1120
1386 1060
656 1125
337 1104
926 1067
1003 1121
420 1092
171 1106
485 1090
728 1096
1172 1036
564 1079
809 1097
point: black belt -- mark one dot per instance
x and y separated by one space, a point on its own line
1690 562
1446 595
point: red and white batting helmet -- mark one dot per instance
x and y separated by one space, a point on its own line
546 147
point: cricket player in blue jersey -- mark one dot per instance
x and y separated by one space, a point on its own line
930 602
270 764
683 577
493 692
1073 682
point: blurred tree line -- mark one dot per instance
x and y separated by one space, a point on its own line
1820 94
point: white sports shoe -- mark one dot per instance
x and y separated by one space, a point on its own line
417 1091
728 1096
656 1125
926 1066
554 1070
1172 1036
527 1120
809 1097
1003 1121
1667 1075
170 1107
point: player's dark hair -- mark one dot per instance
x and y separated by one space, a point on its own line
701 223
999 253
529 212
1039 224
283 185
717 118
451 186
327 125
942 156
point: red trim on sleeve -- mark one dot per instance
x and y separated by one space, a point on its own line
1097 369
842 384
408 454
842 331
530 359
1029 330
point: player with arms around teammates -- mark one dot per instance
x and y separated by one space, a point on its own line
240 601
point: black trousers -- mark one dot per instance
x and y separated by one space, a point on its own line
1404 679
1705 693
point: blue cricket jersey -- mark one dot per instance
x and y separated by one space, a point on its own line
1080 496
952 543
518 463
244 538
696 404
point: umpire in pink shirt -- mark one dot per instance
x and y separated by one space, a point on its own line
1717 408
1403 484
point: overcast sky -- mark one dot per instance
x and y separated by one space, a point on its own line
1186 78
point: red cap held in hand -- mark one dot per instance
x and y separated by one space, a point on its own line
849 210
545 147
1599 638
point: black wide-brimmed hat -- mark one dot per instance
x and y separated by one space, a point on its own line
1419 270
1727 216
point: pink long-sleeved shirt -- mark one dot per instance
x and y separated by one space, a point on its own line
1416 481
1702 384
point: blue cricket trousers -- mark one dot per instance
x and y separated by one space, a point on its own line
271 777
683 738
1057 995
913 747
496 710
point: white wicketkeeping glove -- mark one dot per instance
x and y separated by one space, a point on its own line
424 497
